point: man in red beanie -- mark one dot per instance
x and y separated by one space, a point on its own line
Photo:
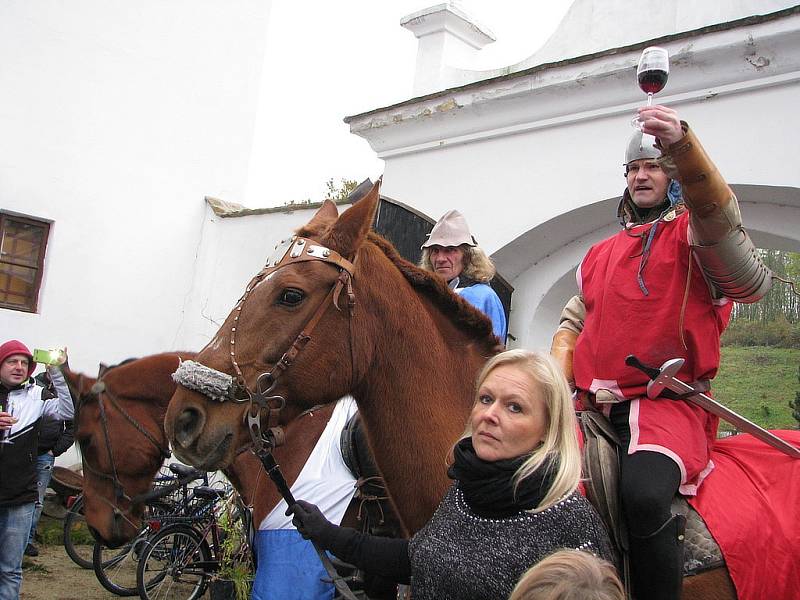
23 406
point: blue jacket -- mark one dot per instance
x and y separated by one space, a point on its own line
486 300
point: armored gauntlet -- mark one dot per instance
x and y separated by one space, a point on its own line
727 255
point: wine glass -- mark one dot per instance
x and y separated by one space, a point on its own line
6 433
652 74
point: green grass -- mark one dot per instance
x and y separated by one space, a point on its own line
32 567
758 382
51 531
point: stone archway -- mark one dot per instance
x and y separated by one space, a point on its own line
541 263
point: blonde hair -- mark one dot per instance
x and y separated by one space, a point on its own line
560 441
477 265
570 575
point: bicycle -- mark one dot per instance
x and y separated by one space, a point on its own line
115 568
78 540
179 561
75 532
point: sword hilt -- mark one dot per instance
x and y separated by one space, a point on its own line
651 372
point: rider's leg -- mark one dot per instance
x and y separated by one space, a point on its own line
648 482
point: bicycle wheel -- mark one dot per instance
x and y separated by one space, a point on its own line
115 568
78 542
175 565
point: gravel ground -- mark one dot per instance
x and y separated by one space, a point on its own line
53 576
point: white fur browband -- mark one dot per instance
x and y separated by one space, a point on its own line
205 380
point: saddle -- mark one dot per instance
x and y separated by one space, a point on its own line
375 512
601 472
373 508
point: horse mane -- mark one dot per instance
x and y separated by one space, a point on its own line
461 313
147 391
124 362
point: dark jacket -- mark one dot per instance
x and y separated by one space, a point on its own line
32 405
55 437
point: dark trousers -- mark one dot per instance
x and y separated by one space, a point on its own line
648 483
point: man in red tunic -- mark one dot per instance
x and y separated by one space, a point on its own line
659 289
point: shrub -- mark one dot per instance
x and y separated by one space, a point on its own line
778 332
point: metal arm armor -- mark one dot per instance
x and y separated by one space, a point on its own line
734 267
727 255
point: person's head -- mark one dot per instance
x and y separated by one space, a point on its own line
451 251
570 575
523 407
16 363
647 182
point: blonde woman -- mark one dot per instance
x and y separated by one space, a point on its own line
513 500
570 575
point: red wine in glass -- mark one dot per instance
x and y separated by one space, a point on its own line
652 81
652 74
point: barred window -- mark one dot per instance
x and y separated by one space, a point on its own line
22 246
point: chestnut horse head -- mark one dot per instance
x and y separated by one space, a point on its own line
122 457
341 312
118 427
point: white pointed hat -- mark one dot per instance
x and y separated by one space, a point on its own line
450 230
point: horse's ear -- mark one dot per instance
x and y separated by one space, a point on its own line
326 212
350 230
101 370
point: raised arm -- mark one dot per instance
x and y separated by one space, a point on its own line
727 255
60 407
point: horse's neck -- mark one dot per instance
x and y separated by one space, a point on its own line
415 399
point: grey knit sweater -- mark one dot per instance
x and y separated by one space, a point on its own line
461 556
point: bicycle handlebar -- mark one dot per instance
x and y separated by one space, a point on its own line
166 490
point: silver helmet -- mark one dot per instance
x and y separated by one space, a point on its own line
641 145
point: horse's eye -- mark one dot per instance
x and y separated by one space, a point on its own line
291 297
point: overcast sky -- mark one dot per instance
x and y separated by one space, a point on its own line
327 60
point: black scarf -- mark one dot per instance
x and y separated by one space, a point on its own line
488 487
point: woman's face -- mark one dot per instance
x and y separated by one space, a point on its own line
510 417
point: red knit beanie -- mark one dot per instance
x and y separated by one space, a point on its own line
12 347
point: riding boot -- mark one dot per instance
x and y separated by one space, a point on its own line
657 561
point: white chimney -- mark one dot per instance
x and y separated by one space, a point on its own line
447 37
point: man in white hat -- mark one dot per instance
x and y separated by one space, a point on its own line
661 288
452 253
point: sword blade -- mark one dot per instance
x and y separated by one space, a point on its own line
742 424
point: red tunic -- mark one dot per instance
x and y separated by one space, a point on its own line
622 320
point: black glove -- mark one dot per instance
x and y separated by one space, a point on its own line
311 523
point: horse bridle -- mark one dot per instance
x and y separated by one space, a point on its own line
98 390
261 401
222 387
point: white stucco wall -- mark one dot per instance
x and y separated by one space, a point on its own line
118 119
232 251
589 26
